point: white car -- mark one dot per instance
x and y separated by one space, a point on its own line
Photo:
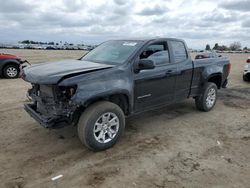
246 74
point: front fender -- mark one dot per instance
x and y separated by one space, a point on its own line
101 84
90 92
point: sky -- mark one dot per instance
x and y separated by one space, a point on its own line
199 22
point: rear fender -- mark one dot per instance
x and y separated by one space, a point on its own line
211 71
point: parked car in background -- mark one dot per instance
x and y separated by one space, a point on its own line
120 78
246 74
10 65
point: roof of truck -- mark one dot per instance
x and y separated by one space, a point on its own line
149 38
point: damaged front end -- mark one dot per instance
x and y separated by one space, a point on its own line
51 105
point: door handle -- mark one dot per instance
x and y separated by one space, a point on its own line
169 72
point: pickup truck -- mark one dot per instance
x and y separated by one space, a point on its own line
117 79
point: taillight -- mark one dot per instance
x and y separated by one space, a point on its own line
248 60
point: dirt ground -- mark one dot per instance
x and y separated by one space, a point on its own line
176 146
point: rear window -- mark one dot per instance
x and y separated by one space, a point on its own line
179 50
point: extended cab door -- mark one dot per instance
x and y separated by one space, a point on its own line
156 86
184 64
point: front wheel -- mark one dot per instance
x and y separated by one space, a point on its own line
101 125
206 101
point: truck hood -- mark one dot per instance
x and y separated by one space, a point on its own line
53 72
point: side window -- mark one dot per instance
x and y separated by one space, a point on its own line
157 52
179 50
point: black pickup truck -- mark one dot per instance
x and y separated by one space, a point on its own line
117 79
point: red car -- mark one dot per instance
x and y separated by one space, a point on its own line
10 65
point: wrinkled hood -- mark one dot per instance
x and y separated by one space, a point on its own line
51 73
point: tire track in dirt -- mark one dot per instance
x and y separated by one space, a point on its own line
236 97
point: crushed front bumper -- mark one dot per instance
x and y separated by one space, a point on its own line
47 122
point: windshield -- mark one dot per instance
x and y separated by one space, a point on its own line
113 52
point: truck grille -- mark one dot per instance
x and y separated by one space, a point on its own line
46 91
46 100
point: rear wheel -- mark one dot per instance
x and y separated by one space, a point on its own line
11 71
101 125
206 101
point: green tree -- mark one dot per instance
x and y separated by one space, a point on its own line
216 46
208 47
25 42
223 48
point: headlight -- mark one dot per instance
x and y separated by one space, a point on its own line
68 91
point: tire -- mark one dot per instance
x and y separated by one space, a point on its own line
206 101
246 78
11 71
93 124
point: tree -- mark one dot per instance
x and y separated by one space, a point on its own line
245 48
25 42
216 46
235 46
223 48
208 47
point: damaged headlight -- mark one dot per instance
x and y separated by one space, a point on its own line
68 91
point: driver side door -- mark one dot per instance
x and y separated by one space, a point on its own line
156 86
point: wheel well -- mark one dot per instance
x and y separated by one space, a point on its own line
9 63
120 99
216 79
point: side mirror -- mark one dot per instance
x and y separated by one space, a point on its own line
144 64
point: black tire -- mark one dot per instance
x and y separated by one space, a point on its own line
9 67
88 120
201 101
246 78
